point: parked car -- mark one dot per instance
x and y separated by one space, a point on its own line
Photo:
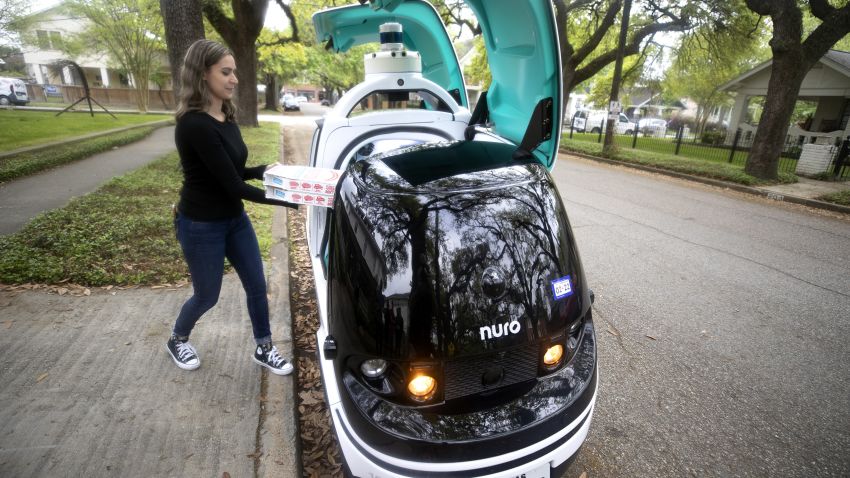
579 120
652 126
289 103
325 102
455 332
597 121
301 99
13 91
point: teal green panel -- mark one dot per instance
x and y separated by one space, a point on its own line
423 32
524 57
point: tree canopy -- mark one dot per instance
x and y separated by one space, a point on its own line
11 16
707 60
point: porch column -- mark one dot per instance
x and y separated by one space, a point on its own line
67 76
36 69
104 76
738 113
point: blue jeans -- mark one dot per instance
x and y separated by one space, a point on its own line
205 245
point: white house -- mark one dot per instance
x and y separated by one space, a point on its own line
827 84
43 44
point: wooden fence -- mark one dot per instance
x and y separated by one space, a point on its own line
121 97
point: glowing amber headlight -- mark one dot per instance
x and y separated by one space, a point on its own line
422 387
553 355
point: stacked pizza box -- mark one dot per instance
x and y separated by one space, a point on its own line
301 184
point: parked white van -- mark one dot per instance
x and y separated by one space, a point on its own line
593 121
13 91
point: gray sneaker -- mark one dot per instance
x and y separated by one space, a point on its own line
183 354
267 356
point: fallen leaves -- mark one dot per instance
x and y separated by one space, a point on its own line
41 377
310 397
62 288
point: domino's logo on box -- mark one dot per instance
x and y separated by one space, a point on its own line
562 287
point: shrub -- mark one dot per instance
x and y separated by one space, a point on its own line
713 137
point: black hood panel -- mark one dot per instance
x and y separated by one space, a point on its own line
433 261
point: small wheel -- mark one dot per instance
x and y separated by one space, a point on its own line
629 132
4 101
595 130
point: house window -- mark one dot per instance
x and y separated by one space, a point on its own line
43 40
56 40
49 40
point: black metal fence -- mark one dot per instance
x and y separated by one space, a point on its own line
714 145
840 167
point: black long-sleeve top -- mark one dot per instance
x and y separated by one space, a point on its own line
213 157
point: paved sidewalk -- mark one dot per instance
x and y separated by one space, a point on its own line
89 389
23 199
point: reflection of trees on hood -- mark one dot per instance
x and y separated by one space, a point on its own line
517 235
448 239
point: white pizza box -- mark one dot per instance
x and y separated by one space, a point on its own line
299 197
303 178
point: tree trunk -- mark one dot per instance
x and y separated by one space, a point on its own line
184 24
240 33
786 77
609 148
271 92
245 54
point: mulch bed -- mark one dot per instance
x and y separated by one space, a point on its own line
320 453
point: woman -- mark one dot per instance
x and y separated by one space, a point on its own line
210 220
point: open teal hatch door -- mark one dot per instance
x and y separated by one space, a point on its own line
524 98
424 32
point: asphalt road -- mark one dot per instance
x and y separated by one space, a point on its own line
722 320
723 326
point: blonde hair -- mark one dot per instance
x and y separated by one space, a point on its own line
194 93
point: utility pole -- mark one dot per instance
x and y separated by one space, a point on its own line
614 106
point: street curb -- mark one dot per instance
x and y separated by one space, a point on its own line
279 431
718 183
77 139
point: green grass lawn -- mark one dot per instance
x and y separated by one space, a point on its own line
688 149
24 164
122 234
19 128
689 165
842 198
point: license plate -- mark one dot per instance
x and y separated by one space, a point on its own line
541 471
